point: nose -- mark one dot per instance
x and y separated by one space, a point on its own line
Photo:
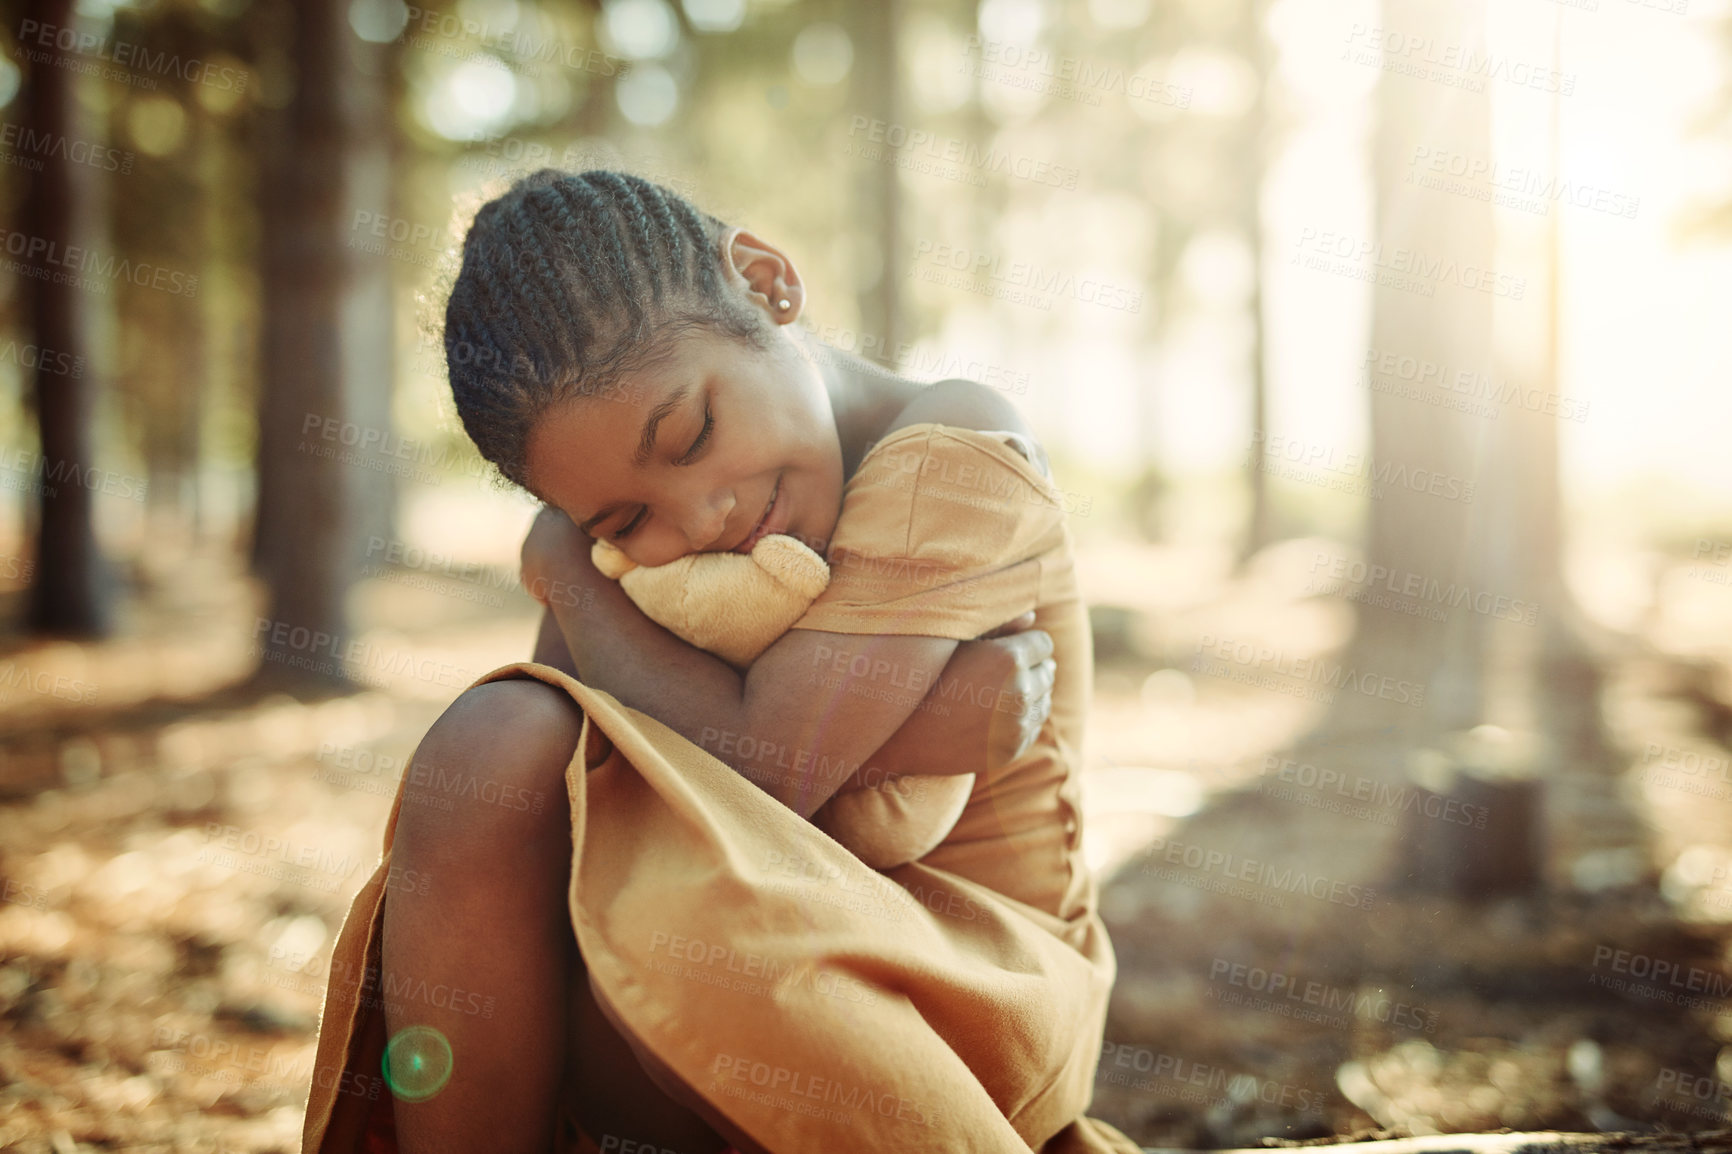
708 519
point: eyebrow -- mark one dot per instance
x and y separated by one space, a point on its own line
646 445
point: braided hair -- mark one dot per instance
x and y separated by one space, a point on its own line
568 282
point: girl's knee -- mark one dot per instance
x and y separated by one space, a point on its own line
491 771
524 721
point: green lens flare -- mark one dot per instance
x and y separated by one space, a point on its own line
417 1063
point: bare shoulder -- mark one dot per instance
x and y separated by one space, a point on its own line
965 404
971 405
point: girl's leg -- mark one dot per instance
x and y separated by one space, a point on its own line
617 1100
483 952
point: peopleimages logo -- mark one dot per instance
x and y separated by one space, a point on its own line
1455 64
1065 77
26 147
917 359
71 264
1020 282
319 652
1260 659
1380 800
46 474
1519 187
1198 1082
1348 1002
1661 971
1405 269
970 157
1378 474
135 57
15 676
511 43
1268 876
46 360
1425 591
1420 378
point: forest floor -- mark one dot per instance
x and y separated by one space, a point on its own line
178 848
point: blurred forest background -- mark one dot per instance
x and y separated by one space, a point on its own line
1380 349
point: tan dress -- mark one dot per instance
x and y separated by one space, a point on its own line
952 1004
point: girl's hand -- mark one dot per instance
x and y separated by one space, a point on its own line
982 713
1017 659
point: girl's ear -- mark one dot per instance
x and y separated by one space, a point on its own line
766 274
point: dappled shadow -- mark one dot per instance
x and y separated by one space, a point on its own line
1281 976
33 745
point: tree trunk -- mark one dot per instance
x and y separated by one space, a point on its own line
1464 597
68 594
1260 531
162 373
323 406
1557 677
1569 675
369 316
1419 540
877 91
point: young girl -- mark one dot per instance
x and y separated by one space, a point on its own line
613 925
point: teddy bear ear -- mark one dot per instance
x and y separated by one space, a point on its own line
792 563
611 559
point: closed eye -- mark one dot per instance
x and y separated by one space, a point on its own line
630 527
689 456
703 436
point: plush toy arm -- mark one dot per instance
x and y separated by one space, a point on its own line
792 564
611 559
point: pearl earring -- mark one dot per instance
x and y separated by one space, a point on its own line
783 303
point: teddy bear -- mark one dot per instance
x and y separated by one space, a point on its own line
735 606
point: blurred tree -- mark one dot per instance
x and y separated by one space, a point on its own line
1558 666
324 395
162 372
875 29
370 158
596 97
1411 530
1253 161
1511 651
1201 173
68 595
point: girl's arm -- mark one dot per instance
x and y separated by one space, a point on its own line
791 724
952 730
813 707
550 646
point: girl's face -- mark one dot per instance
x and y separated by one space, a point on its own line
687 456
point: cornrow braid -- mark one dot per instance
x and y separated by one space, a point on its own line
708 281
640 231
569 281
670 228
600 223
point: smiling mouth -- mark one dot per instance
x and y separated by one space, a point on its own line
752 537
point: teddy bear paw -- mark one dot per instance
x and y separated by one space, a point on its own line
610 559
792 563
